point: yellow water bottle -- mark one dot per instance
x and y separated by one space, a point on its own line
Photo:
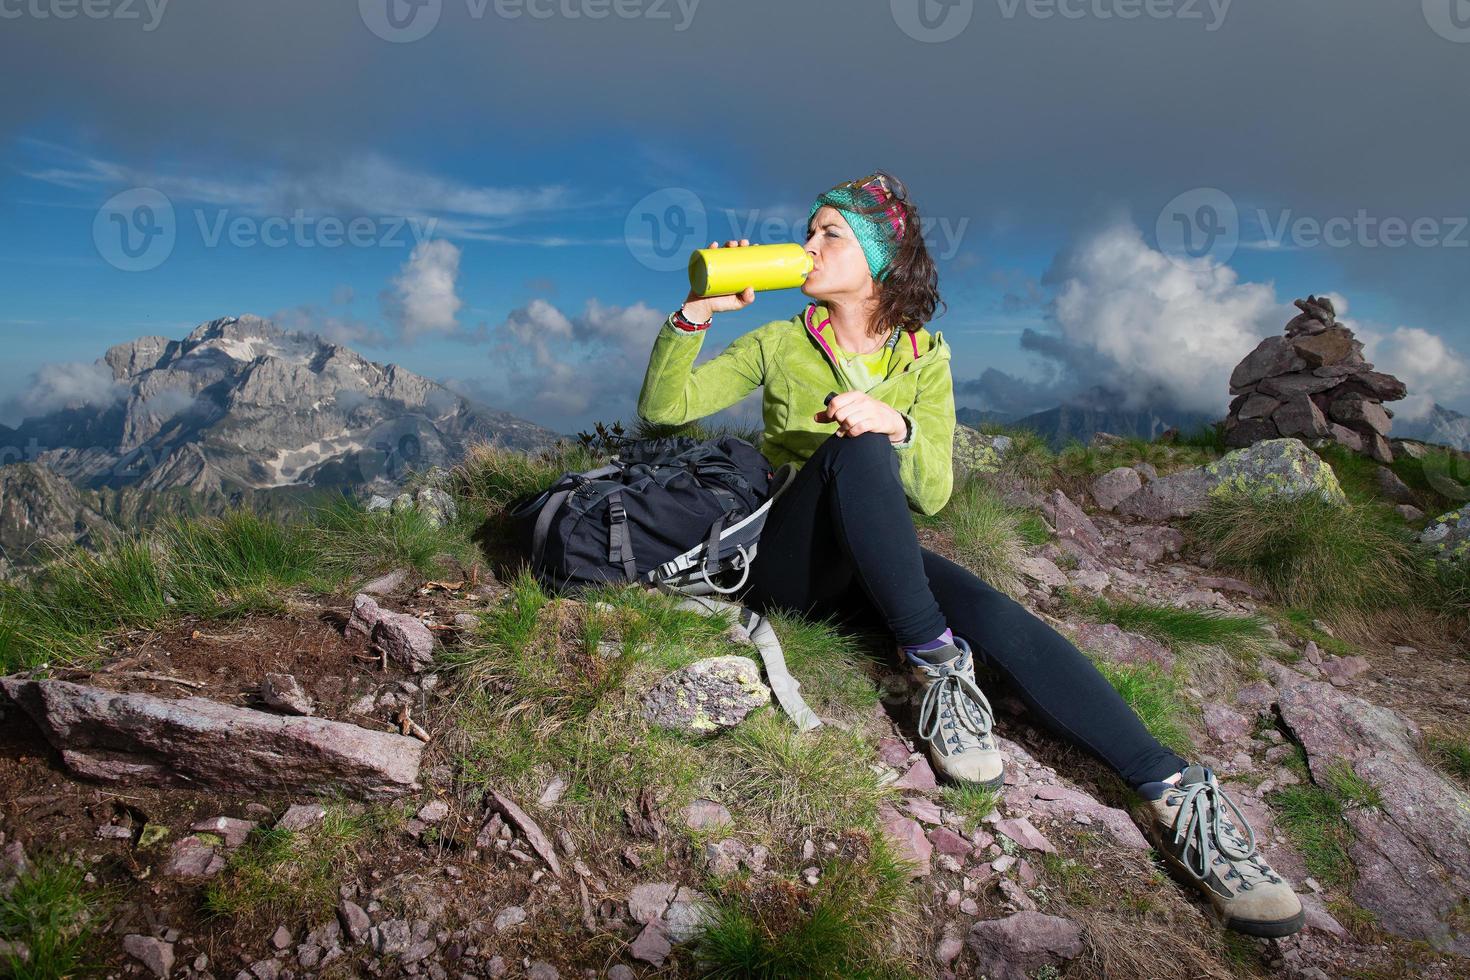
717 271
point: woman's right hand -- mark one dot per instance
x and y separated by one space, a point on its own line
699 308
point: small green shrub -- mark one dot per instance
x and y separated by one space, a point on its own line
280 873
1335 558
840 929
52 912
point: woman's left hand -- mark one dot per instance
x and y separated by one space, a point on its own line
856 412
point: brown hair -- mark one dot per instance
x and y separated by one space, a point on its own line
910 294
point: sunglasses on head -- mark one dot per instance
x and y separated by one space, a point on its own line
889 184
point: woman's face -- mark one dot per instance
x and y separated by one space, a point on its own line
839 268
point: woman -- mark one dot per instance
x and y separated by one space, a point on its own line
839 541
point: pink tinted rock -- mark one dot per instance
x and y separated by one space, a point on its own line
908 840
1340 670
706 815
1122 647
919 778
1016 946
652 945
924 809
232 831
141 739
1258 697
646 903
946 841
365 613
1020 830
193 858
407 641
893 752
300 816
1225 724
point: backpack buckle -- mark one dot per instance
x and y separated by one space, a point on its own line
616 512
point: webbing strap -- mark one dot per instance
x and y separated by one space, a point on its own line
786 688
619 540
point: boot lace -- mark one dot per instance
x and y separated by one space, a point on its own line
953 706
1207 825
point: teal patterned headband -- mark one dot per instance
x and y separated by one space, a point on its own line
877 234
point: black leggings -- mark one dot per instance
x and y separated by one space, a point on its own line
839 544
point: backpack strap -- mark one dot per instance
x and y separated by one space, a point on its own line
619 541
554 502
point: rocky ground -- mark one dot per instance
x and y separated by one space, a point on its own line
301 794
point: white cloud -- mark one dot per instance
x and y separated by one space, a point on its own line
66 384
1154 331
563 370
424 299
1430 368
1142 330
363 185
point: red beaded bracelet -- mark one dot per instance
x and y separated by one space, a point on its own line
687 325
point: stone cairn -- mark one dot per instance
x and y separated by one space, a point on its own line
1312 383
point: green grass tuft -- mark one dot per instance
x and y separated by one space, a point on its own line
51 911
349 540
1314 817
61 613
280 873
840 928
1155 696
799 780
1334 558
990 536
1182 630
1450 753
972 803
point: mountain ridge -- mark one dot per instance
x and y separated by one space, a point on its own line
211 412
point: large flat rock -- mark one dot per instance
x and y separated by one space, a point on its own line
195 742
1413 852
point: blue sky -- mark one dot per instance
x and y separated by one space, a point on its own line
504 168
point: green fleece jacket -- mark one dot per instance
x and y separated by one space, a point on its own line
794 361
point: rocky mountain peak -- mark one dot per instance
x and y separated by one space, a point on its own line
240 404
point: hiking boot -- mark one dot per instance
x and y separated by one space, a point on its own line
954 718
1198 829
